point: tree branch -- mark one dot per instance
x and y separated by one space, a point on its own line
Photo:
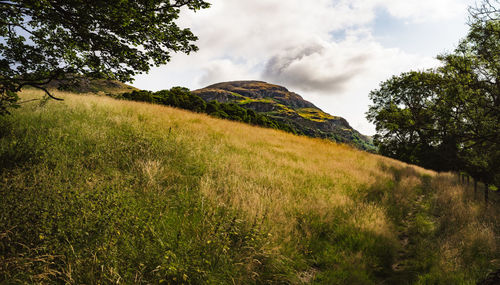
47 92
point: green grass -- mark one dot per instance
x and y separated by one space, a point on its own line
247 100
96 190
314 114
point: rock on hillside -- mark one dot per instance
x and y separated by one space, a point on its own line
278 102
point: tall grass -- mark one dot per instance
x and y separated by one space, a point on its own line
96 190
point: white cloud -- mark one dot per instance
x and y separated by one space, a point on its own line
424 10
224 70
291 43
326 67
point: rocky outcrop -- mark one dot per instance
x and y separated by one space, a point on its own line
219 95
260 90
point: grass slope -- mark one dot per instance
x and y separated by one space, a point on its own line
96 190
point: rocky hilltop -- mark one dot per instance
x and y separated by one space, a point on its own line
286 106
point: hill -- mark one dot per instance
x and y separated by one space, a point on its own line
100 191
86 85
288 107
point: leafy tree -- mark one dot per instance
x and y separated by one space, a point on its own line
42 41
404 113
473 74
142 96
448 118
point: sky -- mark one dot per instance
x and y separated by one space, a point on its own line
331 52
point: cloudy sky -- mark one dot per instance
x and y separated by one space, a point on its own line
332 52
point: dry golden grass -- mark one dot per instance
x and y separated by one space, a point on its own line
278 177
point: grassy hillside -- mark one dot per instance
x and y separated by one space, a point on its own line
87 85
287 107
97 190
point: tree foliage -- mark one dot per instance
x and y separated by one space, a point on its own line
45 40
406 118
448 118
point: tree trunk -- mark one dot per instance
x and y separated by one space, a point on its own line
468 179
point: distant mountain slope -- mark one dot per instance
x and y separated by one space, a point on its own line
289 107
86 85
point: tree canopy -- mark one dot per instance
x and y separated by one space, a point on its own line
448 118
45 40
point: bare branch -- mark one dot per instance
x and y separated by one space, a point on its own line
47 92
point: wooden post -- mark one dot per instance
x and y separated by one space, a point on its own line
468 179
475 188
486 193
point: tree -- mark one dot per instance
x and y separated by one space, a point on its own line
448 118
404 113
473 73
44 40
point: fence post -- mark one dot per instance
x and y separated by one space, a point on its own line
486 193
